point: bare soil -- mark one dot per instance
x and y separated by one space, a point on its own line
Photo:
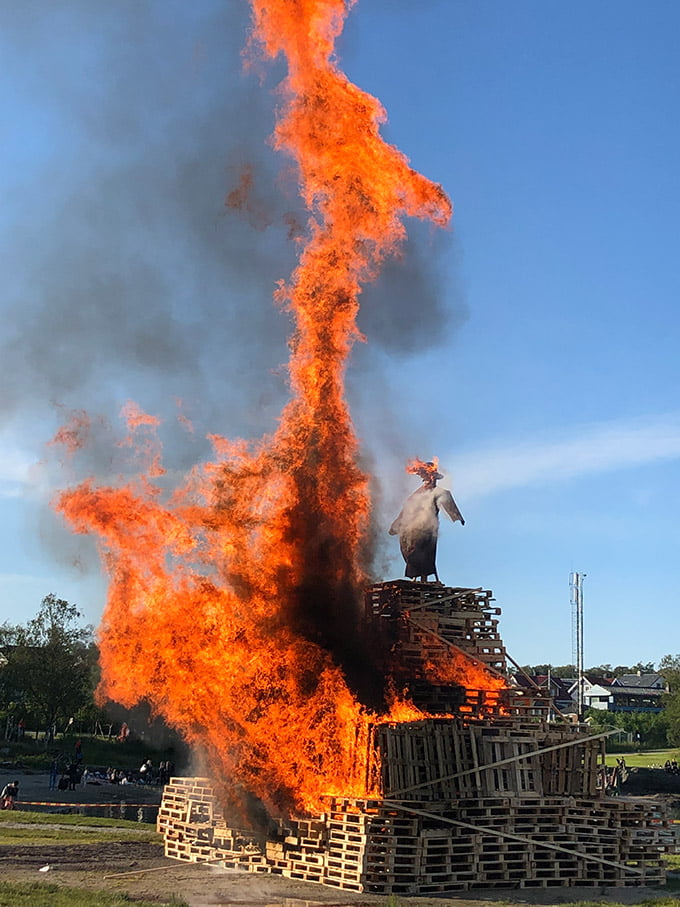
141 871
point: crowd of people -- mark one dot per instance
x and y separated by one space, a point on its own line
67 773
68 776
671 766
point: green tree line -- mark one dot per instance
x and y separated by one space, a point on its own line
48 670
652 729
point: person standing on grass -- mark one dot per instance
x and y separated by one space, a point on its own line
54 771
73 776
10 792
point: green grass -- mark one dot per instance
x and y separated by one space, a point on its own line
39 836
672 861
35 894
38 829
651 759
24 816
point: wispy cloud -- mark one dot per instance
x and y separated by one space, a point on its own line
592 448
17 469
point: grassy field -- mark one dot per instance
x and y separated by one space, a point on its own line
651 759
34 894
28 829
26 817
672 861
39 829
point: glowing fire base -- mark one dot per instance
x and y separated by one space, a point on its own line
491 795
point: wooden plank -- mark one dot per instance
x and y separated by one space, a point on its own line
537 843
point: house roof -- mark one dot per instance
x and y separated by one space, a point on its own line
636 691
597 690
639 680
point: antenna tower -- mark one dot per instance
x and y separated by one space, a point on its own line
576 588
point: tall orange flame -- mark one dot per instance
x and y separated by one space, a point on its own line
233 603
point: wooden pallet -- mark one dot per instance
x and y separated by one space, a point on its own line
424 847
493 797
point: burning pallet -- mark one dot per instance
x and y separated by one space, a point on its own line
492 795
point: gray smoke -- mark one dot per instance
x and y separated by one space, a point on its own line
151 221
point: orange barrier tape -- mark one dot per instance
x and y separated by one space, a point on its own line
49 803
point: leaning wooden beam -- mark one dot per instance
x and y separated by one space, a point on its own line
528 755
533 683
484 829
480 663
444 600
138 872
475 661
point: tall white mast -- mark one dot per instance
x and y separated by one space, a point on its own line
576 587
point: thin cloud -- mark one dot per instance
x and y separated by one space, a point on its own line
16 470
599 447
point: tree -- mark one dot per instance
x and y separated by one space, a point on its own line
50 663
554 670
652 727
669 666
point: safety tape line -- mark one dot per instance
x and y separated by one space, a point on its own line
138 805
68 803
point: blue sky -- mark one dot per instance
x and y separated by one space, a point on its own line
532 348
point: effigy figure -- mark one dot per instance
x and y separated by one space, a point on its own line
418 523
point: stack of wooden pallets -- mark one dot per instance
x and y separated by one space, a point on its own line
426 624
428 617
443 759
477 798
420 847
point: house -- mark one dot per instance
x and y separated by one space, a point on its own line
628 693
638 693
596 696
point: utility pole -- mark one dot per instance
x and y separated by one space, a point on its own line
576 587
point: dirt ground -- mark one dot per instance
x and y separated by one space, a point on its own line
142 871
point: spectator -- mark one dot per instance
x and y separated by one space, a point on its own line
54 771
10 792
73 776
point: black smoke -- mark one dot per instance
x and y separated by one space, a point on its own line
147 223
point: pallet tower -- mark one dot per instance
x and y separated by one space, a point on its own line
488 792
